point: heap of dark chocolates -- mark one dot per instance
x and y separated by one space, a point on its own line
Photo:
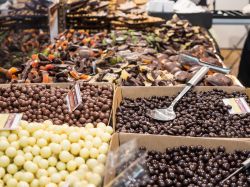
198 114
192 166
43 102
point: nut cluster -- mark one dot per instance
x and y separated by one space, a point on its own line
198 114
194 166
39 103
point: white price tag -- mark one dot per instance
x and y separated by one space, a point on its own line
53 21
74 98
10 121
239 105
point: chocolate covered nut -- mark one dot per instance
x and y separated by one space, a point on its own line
197 114
160 170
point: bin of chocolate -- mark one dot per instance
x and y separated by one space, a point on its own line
45 154
130 58
30 14
186 161
200 113
88 15
40 102
133 15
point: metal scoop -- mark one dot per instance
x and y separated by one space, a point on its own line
245 165
187 59
168 114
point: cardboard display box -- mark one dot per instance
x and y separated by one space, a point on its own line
160 143
146 92
67 85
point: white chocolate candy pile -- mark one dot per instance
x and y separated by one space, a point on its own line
43 154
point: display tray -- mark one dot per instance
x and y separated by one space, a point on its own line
147 92
198 19
23 22
67 85
160 143
230 14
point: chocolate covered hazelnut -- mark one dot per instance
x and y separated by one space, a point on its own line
197 114
191 169
51 103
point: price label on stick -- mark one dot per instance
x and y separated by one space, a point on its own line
10 121
74 98
238 105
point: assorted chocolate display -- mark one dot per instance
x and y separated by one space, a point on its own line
90 14
133 15
15 49
43 102
181 35
192 166
25 15
94 14
197 114
124 46
130 58
31 7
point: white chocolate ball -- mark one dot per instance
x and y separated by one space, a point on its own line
35 150
65 156
2 172
93 152
12 169
52 161
41 172
55 148
43 164
75 148
84 153
4 161
65 144
52 170
55 178
4 145
12 138
79 161
11 152
74 137
22 184
91 163
30 166
101 158
60 166
97 142
71 165
44 180
42 142
12 182
34 183
45 152
27 177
